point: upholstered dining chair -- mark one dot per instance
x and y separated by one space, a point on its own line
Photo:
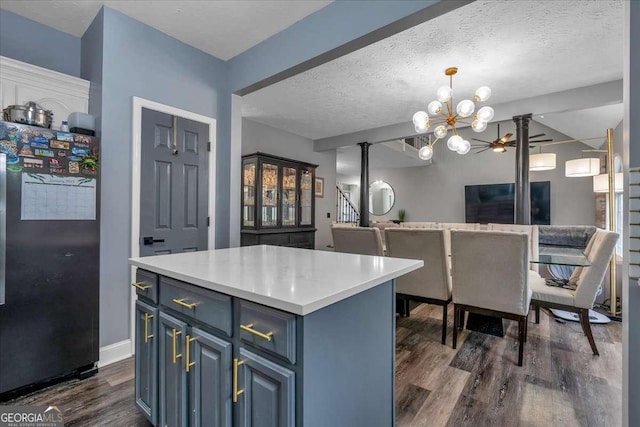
599 251
531 231
490 276
430 284
357 240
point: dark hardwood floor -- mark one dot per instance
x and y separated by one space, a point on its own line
479 384
106 399
561 383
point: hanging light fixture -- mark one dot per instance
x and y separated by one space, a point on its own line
582 167
542 161
426 151
445 117
601 183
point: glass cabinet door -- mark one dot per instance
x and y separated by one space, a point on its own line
248 194
270 176
306 187
289 197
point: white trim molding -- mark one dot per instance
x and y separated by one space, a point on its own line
114 353
136 163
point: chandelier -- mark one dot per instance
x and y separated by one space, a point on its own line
440 113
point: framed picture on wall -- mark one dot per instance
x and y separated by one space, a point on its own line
319 187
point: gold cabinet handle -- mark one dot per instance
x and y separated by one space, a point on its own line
249 328
184 304
141 285
147 317
188 364
175 344
236 392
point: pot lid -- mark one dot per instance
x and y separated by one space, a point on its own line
30 106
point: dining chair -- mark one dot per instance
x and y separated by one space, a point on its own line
599 251
357 240
419 224
531 231
490 276
383 225
430 284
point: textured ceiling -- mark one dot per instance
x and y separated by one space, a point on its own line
221 28
519 48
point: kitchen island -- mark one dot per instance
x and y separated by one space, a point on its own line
266 335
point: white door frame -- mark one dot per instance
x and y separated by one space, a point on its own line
136 164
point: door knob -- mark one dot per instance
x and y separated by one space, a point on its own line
150 240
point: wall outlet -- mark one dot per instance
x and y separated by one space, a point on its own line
328 214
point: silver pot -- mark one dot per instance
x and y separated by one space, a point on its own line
28 114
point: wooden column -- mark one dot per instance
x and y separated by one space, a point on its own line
522 208
364 184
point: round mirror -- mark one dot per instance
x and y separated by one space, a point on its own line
381 198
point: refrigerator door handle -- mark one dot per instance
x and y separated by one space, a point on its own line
3 225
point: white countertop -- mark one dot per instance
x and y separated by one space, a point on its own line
299 281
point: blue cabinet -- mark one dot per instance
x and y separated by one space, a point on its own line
146 360
209 379
172 375
265 392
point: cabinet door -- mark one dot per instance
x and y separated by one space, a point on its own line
173 377
289 202
210 379
146 361
249 194
306 196
270 173
268 393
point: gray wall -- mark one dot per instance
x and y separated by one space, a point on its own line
631 308
141 61
436 192
259 137
91 66
34 43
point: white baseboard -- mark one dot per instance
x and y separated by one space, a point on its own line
114 353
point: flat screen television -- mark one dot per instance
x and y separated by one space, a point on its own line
495 203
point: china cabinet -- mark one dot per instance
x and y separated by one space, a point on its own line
278 201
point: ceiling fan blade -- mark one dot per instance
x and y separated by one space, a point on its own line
536 136
481 140
513 141
506 137
488 148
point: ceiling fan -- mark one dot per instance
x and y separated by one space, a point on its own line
500 144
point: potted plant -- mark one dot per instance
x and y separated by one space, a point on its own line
402 215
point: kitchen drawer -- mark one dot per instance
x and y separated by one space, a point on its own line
146 285
269 329
209 307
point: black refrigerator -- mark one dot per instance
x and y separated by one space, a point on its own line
49 255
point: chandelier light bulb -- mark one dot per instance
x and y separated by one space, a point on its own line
482 94
440 131
426 152
478 126
434 108
444 93
420 119
464 147
485 114
465 108
454 142
421 129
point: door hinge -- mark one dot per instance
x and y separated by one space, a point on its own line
208 146
208 221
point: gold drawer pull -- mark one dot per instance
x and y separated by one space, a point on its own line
141 286
236 392
249 328
181 303
188 364
147 337
175 350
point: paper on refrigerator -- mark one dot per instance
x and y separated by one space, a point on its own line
53 197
